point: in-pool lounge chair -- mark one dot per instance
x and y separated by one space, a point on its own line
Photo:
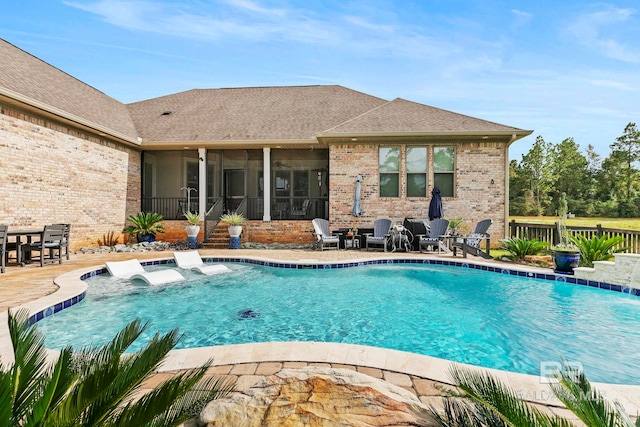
435 240
472 242
132 269
191 260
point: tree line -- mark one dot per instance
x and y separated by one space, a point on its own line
592 186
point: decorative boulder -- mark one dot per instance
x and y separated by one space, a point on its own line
318 397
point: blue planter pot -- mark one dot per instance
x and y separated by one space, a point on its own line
146 238
565 262
192 242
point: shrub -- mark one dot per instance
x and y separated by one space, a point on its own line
597 248
233 218
109 239
518 247
145 223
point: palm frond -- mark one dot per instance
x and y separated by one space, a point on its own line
29 363
575 392
176 400
130 373
518 247
597 248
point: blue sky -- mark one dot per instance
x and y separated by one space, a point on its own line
561 68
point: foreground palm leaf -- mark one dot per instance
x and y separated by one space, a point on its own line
485 402
98 386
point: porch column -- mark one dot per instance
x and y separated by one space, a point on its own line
266 179
202 180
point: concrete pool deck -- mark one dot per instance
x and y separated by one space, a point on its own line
34 287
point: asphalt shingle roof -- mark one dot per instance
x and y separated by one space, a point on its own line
249 114
401 115
57 91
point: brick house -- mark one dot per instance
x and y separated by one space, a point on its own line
281 155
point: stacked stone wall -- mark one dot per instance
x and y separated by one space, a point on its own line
53 173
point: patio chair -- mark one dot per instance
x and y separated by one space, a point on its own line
435 240
132 269
301 211
50 245
381 234
64 243
471 243
191 260
321 236
3 246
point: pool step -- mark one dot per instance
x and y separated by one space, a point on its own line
625 271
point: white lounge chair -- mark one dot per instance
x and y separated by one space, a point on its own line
132 269
191 260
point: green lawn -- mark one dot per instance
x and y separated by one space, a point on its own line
622 223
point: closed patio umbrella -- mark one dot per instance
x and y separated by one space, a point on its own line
435 206
356 211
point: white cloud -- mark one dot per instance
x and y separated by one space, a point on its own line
605 31
520 18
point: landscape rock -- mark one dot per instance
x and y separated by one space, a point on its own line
322 397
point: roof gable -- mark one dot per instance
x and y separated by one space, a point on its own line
402 116
30 80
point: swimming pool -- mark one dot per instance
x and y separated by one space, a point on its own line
494 320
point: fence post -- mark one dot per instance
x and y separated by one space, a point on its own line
556 234
512 228
599 230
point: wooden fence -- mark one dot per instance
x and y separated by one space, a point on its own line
550 233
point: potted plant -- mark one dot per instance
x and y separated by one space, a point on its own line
145 226
234 220
457 226
193 229
566 255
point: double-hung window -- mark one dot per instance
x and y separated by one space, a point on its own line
389 168
444 160
416 163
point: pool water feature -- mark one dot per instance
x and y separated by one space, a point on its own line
494 320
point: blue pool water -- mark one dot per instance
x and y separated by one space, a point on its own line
488 319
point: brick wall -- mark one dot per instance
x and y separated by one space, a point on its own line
475 197
52 173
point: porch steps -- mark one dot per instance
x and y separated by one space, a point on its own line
218 238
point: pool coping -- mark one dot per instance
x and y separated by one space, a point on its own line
529 387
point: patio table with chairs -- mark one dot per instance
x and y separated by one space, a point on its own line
51 243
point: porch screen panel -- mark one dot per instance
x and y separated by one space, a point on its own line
389 168
444 170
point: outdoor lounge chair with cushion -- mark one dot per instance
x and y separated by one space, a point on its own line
381 234
472 242
321 236
49 247
191 260
132 269
435 240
